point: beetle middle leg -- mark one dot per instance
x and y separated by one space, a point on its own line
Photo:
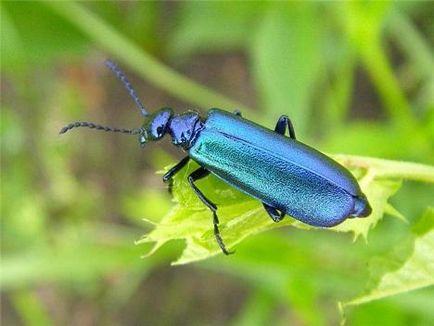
274 213
237 112
197 175
281 125
168 176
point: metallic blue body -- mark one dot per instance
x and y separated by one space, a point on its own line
287 176
277 170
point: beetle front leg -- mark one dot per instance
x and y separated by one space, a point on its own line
274 213
168 176
281 125
197 175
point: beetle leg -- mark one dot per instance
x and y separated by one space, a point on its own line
237 112
197 175
281 126
274 213
167 177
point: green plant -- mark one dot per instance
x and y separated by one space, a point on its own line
68 223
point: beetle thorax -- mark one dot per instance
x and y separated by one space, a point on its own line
184 129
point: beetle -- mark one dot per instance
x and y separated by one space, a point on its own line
287 176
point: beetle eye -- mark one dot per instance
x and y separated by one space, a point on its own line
160 131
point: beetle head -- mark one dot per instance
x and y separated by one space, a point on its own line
155 126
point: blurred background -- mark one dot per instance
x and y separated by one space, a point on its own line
355 77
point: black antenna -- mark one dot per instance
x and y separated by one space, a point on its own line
92 125
120 75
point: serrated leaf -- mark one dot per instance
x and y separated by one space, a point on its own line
389 209
241 216
397 276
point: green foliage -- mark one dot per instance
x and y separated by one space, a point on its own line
356 78
409 267
415 272
213 27
286 59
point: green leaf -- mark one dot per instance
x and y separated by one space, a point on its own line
57 261
30 308
286 59
38 43
397 276
362 23
256 311
241 216
213 26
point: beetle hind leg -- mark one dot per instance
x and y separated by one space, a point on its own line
274 213
197 175
281 125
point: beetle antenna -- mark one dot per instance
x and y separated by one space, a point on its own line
120 75
92 125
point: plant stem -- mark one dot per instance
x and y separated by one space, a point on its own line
390 169
137 59
382 76
411 43
30 308
362 23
